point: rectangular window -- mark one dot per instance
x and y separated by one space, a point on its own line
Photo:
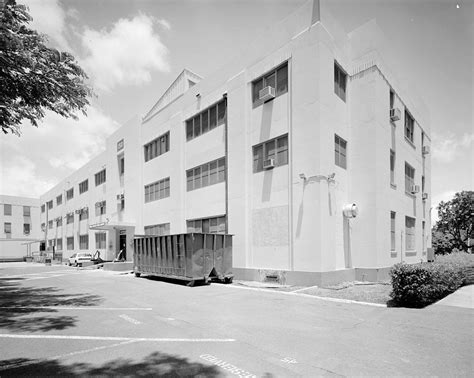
70 218
100 208
409 234
100 240
50 224
7 209
158 229
157 190
100 177
59 221
392 99
392 167
276 149
49 204
409 177
83 186
121 163
26 228
43 226
392 231
70 243
70 194
59 200
26 211
7 228
120 145
340 81
409 126
83 214
210 173
215 225
206 120
83 241
276 78
157 147
43 207
340 150
423 236
59 244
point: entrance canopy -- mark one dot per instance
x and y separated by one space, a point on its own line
109 226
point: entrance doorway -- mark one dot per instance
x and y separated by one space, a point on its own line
123 247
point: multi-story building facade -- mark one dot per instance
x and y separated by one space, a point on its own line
20 222
305 147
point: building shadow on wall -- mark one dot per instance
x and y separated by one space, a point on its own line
156 364
31 309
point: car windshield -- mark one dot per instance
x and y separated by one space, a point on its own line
84 255
74 255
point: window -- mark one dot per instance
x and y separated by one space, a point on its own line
409 177
26 228
70 194
83 214
392 99
83 241
59 244
100 177
7 228
157 147
215 225
121 165
392 167
340 80
26 211
100 240
120 145
340 150
70 218
276 149
157 190
206 120
277 79
50 224
43 226
100 208
423 184
70 243
158 229
207 174
7 209
392 231
409 234
42 208
59 200
409 126
59 221
423 236
83 186
49 204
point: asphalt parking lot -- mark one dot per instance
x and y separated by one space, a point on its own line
58 320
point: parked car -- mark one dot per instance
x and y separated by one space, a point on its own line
78 258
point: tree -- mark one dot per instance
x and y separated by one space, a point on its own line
455 225
33 77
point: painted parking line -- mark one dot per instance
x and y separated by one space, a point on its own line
41 273
130 319
226 366
115 338
78 308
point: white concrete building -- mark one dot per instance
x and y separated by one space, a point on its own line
305 123
20 222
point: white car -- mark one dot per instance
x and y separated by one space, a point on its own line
78 258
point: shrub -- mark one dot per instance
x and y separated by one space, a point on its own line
419 285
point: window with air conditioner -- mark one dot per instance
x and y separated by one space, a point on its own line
273 84
270 154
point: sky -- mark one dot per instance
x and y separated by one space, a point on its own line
132 51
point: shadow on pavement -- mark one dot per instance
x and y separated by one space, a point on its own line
156 364
22 308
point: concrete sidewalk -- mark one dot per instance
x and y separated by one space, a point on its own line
463 297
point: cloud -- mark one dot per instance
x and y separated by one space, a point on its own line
164 23
36 161
125 54
447 147
436 199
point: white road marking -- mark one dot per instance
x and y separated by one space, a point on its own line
289 360
129 319
41 273
114 338
34 362
226 366
80 308
328 299
304 289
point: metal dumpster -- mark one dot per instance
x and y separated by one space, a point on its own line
190 257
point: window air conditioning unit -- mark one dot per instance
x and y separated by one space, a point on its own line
267 93
269 164
395 114
78 211
426 150
415 189
119 197
424 196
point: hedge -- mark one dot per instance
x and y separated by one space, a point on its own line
419 285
